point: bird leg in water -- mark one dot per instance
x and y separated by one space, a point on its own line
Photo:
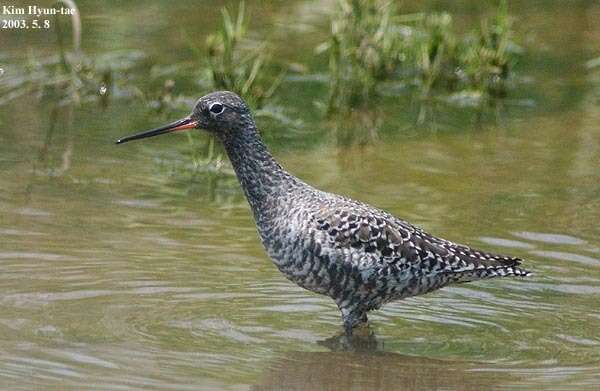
353 318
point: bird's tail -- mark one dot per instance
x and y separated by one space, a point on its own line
505 267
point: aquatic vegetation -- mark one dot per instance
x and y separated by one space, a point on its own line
229 60
237 63
365 48
489 55
234 62
372 48
435 53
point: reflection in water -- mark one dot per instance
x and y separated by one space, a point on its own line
41 165
363 340
356 129
363 364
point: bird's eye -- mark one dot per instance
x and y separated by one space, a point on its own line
216 108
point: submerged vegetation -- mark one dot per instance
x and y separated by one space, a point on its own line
372 47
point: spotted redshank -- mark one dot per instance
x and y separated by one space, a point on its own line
360 256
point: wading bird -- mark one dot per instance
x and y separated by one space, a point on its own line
360 256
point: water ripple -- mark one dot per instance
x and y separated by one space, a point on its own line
550 238
566 256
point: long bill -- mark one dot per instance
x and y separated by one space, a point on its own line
183 124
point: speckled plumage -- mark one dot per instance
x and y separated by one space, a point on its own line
358 255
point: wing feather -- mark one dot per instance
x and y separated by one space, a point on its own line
383 239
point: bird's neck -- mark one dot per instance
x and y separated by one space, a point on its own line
261 177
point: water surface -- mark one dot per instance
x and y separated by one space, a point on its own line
123 268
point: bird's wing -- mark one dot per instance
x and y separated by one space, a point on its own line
373 237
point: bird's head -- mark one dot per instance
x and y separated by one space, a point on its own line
222 113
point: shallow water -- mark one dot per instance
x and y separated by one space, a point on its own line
122 268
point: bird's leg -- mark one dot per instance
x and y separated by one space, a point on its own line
348 329
352 317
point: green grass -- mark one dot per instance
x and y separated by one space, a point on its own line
372 46
238 64
234 62
365 48
435 46
490 56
